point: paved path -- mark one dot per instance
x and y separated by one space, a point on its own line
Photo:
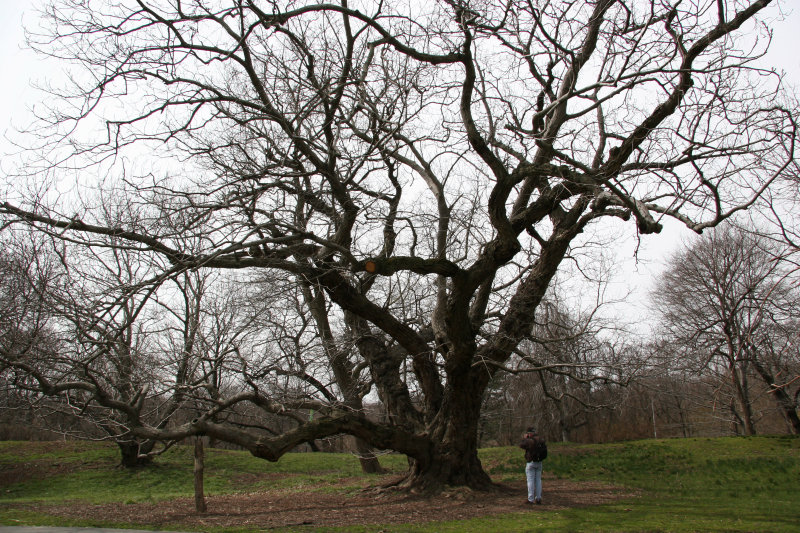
47 529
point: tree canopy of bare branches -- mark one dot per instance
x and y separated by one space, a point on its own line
419 169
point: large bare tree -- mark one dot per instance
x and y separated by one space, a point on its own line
727 303
421 169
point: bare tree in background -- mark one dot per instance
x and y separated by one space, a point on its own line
24 315
564 372
577 359
780 222
725 300
96 348
26 323
108 350
314 360
449 151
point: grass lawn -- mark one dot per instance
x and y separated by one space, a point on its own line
722 484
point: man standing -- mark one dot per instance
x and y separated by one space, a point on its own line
535 452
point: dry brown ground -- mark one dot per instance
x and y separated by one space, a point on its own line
273 509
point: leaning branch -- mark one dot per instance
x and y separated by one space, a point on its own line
273 448
75 224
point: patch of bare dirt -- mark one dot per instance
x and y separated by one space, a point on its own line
281 508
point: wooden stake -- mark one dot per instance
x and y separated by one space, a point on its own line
199 465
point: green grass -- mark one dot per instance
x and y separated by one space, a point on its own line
724 484
94 465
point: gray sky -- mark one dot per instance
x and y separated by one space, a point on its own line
16 65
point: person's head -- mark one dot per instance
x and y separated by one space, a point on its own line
530 432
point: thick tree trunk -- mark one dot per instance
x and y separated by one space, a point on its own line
454 434
736 420
788 408
449 467
131 452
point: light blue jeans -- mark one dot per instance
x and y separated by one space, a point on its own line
533 471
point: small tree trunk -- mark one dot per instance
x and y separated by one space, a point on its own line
736 420
744 401
788 409
784 401
366 456
199 466
562 421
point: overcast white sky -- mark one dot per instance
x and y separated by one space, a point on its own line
20 68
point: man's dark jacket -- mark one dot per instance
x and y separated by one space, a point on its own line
529 445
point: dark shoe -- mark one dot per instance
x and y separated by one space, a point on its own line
539 501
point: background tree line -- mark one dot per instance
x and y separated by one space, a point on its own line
721 357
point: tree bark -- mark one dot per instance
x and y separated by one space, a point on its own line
743 400
132 451
454 438
199 467
368 459
785 403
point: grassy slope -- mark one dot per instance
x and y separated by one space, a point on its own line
726 484
730 484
